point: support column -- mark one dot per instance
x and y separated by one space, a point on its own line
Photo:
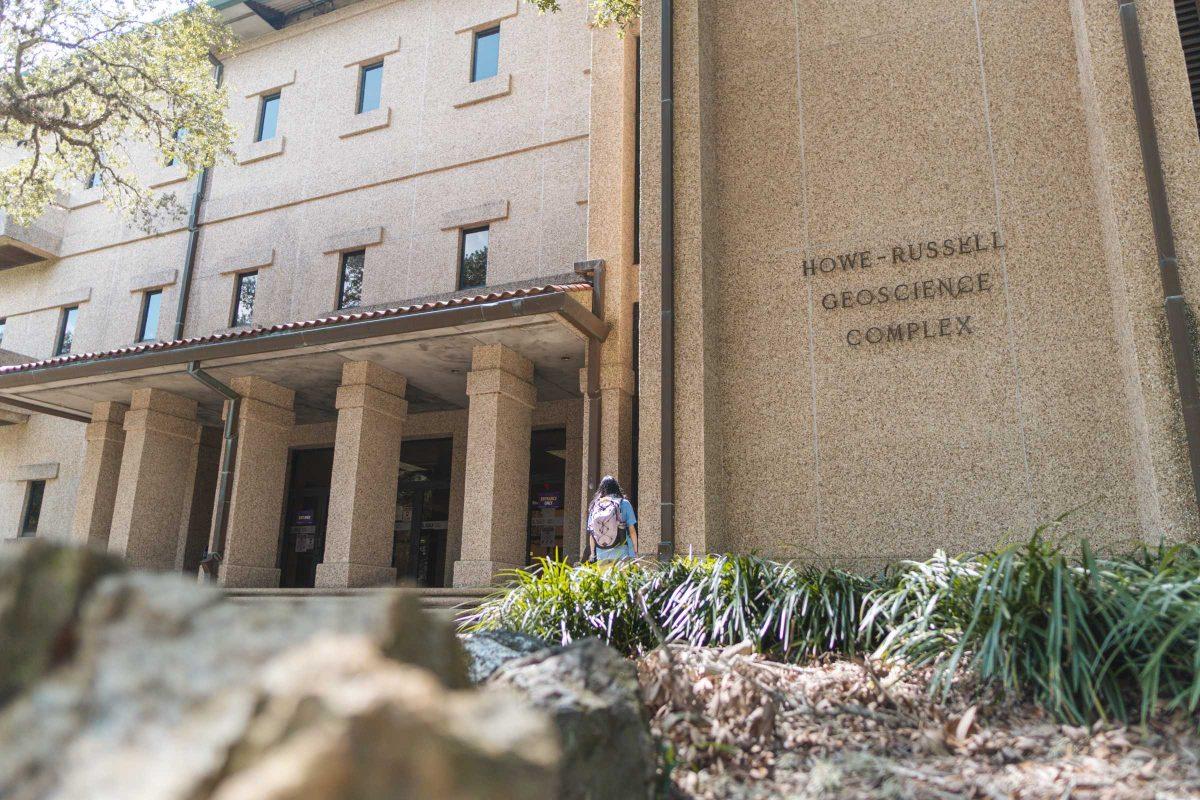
97 495
496 504
616 423
576 486
366 467
200 487
265 421
617 385
160 444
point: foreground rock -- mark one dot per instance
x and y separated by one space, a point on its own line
338 720
170 692
42 588
592 694
487 651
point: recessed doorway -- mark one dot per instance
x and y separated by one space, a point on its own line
307 512
422 511
547 494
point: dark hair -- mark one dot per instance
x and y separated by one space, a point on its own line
608 488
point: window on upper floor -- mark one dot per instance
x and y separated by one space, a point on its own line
268 117
66 331
33 508
243 299
472 258
350 279
92 181
485 56
147 330
2 323
370 84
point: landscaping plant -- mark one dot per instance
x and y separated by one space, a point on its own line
790 612
1086 636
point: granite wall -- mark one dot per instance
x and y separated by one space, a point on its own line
918 303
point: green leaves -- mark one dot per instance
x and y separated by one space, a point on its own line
103 86
791 612
1086 637
1115 638
621 13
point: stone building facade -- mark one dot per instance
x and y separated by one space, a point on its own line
932 272
384 276
918 299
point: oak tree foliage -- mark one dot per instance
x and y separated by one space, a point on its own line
107 87
620 13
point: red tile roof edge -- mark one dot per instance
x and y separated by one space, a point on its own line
321 322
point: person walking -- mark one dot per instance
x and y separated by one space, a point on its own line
611 523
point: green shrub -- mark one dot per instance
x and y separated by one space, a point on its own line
787 611
1087 637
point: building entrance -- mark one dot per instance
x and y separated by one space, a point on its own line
422 511
307 510
547 490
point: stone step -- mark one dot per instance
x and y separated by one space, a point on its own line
445 599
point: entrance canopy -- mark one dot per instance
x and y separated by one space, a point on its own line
430 344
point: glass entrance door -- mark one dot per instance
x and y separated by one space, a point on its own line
547 489
307 509
422 511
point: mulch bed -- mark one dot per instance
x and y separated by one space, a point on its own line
737 725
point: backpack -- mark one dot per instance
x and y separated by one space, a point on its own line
604 522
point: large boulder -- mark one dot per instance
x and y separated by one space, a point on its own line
487 651
592 694
42 587
170 691
339 720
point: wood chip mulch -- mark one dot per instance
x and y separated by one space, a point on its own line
736 725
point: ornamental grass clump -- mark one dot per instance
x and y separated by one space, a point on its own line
557 602
1086 637
789 612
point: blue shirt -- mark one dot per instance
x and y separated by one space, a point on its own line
627 517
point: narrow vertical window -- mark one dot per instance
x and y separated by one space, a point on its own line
637 152
370 83
2 323
66 331
268 118
350 279
485 56
148 319
92 181
33 508
243 299
472 258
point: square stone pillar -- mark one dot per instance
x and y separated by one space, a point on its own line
366 468
265 421
617 387
160 444
201 487
496 503
97 495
